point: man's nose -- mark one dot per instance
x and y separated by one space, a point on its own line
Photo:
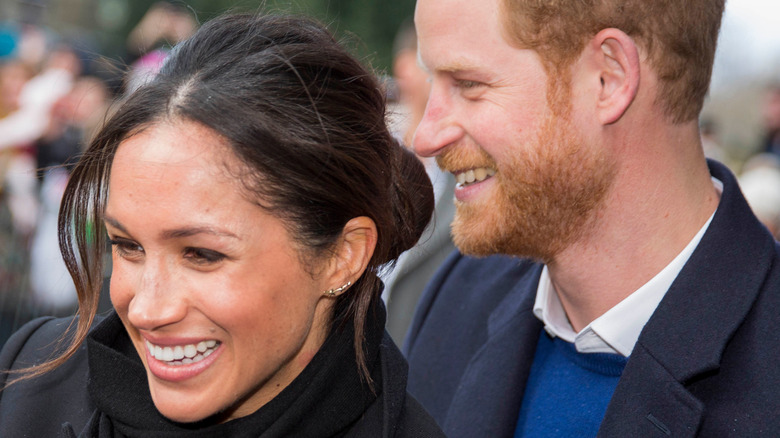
438 127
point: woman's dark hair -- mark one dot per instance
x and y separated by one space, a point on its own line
308 123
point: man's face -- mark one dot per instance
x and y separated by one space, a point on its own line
529 179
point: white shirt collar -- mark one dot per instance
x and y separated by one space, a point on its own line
617 330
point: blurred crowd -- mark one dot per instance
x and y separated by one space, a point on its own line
759 173
54 94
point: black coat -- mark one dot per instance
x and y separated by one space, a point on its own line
705 364
40 407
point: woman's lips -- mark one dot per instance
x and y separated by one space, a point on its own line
176 363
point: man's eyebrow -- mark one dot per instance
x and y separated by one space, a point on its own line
456 66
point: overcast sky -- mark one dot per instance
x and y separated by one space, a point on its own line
749 42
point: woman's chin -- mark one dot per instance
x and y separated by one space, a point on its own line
178 416
179 412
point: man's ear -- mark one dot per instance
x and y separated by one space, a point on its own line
352 252
616 59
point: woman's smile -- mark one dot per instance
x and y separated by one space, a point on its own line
180 362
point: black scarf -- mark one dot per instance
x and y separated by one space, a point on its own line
323 401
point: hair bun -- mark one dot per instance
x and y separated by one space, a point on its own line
412 200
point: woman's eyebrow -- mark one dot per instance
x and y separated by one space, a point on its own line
177 233
191 231
114 223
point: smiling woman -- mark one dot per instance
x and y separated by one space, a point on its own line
250 193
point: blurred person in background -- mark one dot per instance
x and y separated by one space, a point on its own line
21 128
14 255
14 74
405 283
760 183
37 97
411 81
48 117
710 141
73 121
33 81
163 25
771 113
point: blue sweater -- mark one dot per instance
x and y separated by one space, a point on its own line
567 392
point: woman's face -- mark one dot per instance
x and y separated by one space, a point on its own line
209 286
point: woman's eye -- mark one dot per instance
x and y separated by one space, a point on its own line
126 248
203 256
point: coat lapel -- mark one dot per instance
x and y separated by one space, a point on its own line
687 334
495 378
649 402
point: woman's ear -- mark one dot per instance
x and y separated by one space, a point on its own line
352 253
615 57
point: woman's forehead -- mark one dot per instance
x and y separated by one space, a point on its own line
169 161
175 142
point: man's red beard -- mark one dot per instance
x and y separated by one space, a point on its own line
543 200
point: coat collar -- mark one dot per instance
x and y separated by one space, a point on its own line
688 332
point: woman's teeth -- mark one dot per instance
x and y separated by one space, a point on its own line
182 354
474 175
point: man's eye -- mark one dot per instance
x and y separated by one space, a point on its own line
466 84
203 256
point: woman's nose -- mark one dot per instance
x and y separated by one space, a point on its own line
157 300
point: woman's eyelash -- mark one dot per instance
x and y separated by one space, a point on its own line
125 247
203 256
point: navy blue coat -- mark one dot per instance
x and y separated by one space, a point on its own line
706 363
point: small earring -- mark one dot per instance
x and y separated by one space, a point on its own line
338 290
